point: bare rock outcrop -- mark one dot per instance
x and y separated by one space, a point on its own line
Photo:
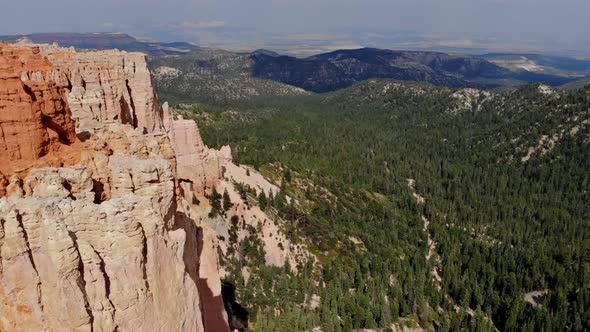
93 235
69 263
34 115
199 168
75 255
106 86
468 99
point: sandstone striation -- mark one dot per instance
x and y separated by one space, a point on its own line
34 115
69 263
199 168
93 235
106 86
105 245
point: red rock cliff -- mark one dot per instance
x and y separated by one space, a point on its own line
34 116
99 240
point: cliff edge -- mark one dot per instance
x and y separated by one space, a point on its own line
93 236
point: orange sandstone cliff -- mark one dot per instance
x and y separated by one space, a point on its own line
34 115
93 236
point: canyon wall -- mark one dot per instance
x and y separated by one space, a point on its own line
199 168
93 235
71 263
98 227
105 86
34 115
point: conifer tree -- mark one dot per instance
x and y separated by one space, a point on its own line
227 204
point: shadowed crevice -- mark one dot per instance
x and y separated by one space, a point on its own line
236 313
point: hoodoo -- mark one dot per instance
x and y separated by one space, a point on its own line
93 235
35 119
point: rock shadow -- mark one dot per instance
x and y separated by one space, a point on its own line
212 306
236 313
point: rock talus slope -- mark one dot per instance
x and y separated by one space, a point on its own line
98 241
201 169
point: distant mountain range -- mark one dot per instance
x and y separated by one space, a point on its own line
207 75
343 68
267 73
105 41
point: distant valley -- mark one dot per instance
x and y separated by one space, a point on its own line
339 69
542 64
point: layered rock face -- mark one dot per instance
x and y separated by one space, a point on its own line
96 229
68 263
100 241
106 86
34 115
199 168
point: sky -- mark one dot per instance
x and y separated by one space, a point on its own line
547 26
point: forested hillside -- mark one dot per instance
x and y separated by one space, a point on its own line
213 76
450 209
222 77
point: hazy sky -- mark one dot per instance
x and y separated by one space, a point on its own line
554 25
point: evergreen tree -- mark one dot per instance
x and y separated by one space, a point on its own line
215 201
262 201
227 204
